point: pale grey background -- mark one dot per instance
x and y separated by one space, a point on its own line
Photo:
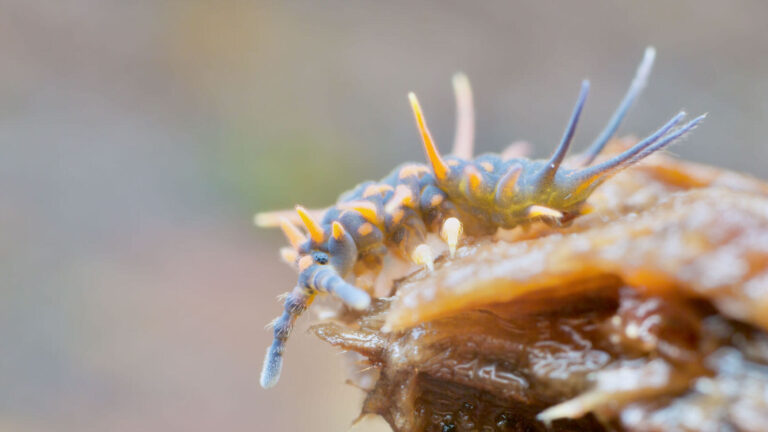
138 138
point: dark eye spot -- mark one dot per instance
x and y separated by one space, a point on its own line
320 258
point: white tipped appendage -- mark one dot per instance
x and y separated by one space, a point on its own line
423 255
273 365
541 211
451 233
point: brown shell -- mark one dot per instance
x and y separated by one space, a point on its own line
650 313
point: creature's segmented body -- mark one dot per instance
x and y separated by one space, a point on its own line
450 195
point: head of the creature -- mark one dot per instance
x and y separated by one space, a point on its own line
325 258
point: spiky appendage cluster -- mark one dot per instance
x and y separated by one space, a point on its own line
450 195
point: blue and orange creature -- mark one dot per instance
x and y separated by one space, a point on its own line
452 195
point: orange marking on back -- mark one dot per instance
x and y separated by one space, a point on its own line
487 166
376 189
412 170
365 229
397 216
403 198
474 176
405 195
366 208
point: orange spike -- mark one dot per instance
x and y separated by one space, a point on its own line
295 237
438 164
314 229
366 208
337 230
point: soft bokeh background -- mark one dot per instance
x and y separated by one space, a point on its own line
139 137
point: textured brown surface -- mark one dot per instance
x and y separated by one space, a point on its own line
647 314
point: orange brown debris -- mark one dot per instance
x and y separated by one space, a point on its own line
606 320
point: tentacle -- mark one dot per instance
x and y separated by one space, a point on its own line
433 155
638 83
658 140
464 140
667 140
559 154
296 303
325 279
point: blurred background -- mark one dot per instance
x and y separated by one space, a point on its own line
139 137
